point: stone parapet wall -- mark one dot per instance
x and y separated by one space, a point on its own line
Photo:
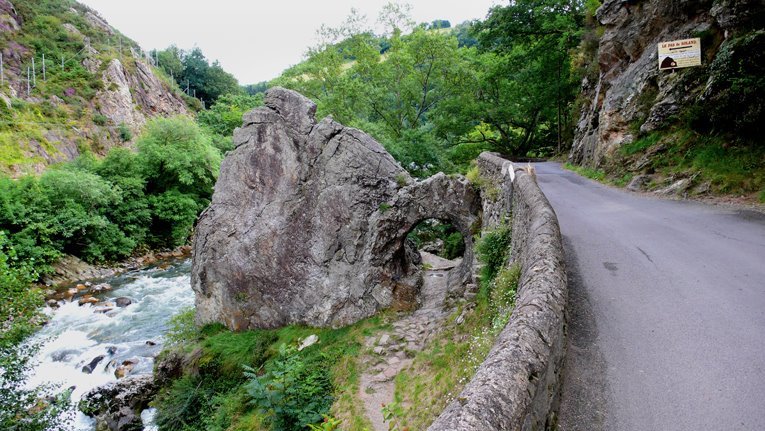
517 386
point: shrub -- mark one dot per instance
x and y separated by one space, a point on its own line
125 133
493 250
173 216
100 120
292 393
177 155
207 396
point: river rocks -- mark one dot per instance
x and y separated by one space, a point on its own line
87 369
125 367
123 302
87 299
308 223
117 406
102 287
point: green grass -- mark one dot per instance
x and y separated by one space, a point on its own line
210 394
440 372
641 144
591 173
729 167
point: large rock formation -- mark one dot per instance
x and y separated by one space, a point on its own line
308 223
130 96
631 96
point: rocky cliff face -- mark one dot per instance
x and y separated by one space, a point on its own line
308 224
106 85
631 96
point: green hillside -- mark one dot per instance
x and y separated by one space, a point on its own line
71 83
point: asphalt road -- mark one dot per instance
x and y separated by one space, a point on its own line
666 310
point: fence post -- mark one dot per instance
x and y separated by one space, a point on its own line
44 68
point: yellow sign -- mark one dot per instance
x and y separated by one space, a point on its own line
679 53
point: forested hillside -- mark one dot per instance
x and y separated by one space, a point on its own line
100 160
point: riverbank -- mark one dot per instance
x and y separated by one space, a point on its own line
75 279
115 337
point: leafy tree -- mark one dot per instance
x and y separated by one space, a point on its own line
193 71
180 166
253 89
176 155
173 217
122 168
170 60
536 37
226 114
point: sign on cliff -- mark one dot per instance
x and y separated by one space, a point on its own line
679 53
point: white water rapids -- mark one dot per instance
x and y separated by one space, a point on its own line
75 334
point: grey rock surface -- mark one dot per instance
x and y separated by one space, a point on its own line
117 406
630 91
308 223
125 91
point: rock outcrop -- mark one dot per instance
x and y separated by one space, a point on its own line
117 406
113 89
130 96
308 224
631 96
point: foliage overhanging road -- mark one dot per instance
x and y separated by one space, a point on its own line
667 310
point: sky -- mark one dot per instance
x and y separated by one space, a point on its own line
256 40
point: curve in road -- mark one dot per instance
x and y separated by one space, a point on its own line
667 310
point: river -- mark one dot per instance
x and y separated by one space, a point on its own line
76 334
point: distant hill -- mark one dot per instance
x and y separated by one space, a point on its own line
94 89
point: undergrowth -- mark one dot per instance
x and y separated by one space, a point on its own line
258 380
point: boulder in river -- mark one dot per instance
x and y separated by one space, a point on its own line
117 406
125 368
308 223
87 299
87 369
123 301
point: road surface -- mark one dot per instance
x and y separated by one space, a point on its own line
667 310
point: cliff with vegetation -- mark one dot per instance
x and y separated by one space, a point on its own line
72 83
690 131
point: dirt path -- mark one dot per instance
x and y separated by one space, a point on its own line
391 351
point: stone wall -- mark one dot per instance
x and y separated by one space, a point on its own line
517 387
